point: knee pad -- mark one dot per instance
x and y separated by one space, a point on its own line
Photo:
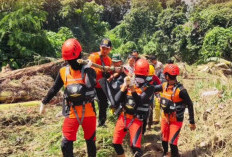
67 148
119 149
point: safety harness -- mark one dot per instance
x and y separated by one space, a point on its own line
85 94
169 106
139 112
126 127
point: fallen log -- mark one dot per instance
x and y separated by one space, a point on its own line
112 68
29 84
50 69
27 88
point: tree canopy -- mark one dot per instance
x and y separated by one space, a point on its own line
164 28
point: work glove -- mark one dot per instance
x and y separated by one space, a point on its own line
112 109
192 127
127 81
132 81
89 64
42 108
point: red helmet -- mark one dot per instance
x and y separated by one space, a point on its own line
171 69
142 67
71 49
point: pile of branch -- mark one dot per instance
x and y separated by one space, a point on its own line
217 66
31 83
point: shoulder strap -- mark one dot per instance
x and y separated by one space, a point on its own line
174 89
83 73
143 87
103 64
67 72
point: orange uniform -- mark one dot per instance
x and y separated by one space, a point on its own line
131 119
171 123
95 58
75 77
72 122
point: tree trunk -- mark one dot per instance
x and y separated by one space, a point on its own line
50 69
29 84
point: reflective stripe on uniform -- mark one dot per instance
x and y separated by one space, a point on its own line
89 92
142 109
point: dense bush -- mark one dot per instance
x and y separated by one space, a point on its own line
218 43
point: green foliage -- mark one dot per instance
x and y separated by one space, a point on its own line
126 48
215 15
114 10
217 43
21 35
52 7
162 44
135 29
159 46
93 27
175 3
170 18
162 27
141 19
206 3
84 19
57 39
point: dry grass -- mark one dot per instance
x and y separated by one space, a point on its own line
23 132
213 115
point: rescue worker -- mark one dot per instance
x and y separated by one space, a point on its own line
117 62
134 97
158 68
153 80
170 61
135 54
174 99
159 73
78 107
103 59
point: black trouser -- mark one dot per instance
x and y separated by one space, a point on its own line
67 148
119 150
144 126
174 149
102 105
150 120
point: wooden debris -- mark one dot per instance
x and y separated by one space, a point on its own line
50 69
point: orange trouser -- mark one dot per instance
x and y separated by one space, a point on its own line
71 126
170 130
135 131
